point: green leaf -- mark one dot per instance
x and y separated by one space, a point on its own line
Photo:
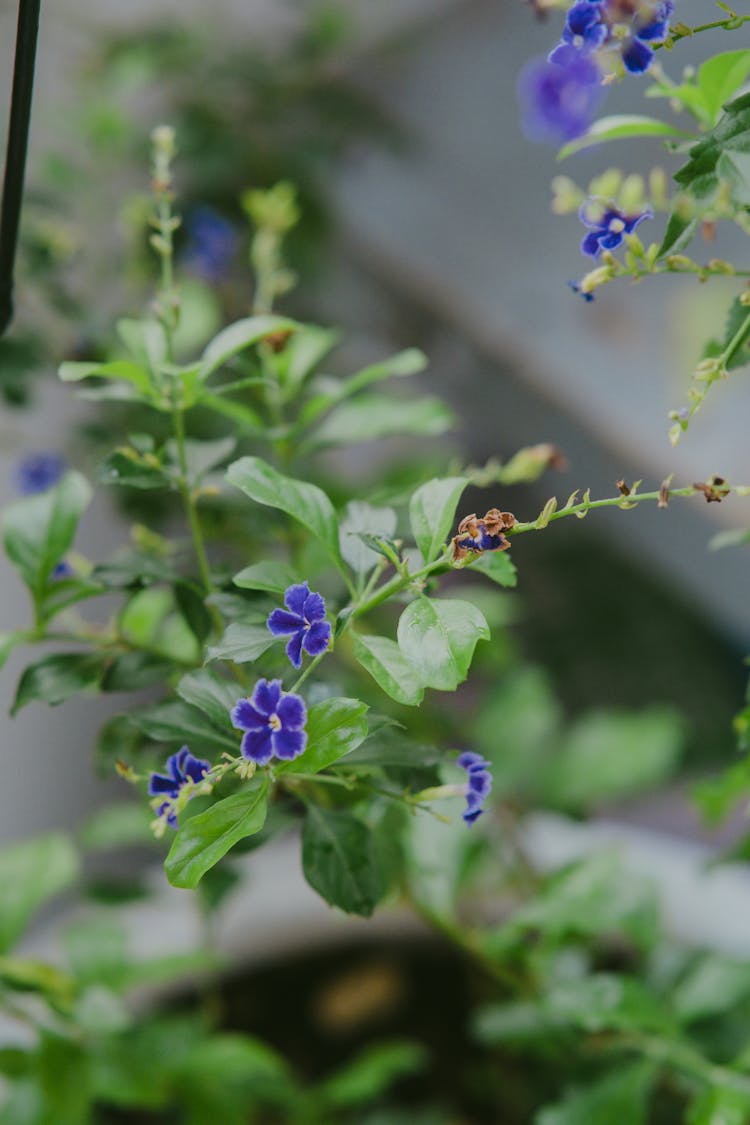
38 530
498 566
202 456
621 1096
719 1105
8 642
371 417
146 339
719 78
212 695
134 671
432 512
679 233
734 168
371 1073
607 1002
362 518
56 678
608 755
730 135
339 860
712 986
30 873
240 413
619 126
239 336
121 369
334 727
301 355
408 362
271 577
241 643
206 838
116 826
303 501
390 669
175 721
438 637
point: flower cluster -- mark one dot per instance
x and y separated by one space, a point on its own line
304 619
620 28
478 785
273 721
184 773
560 95
485 534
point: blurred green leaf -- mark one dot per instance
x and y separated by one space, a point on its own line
238 337
39 530
371 1073
31 872
339 860
53 679
241 643
621 1097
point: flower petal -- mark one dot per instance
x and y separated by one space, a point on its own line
294 597
195 768
288 744
158 784
280 621
294 647
292 712
266 696
637 56
590 244
245 717
315 608
256 745
317 638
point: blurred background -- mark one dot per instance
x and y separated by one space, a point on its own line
426 221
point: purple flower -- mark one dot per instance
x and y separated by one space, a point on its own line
182 768
36 472
63 570
585 31
478 785
212 243
588 297
304 618
625 27
273 721
607 226
558 102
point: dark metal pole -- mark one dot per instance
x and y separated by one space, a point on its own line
15 155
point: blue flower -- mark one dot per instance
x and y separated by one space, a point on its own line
304 618
273 721
607 226
625 27
558 102
182 768
212 243
588 297
649 25
36 472
478 785
585 31
63 570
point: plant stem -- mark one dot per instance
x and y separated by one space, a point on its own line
189 500
398 582
611 502
729 23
